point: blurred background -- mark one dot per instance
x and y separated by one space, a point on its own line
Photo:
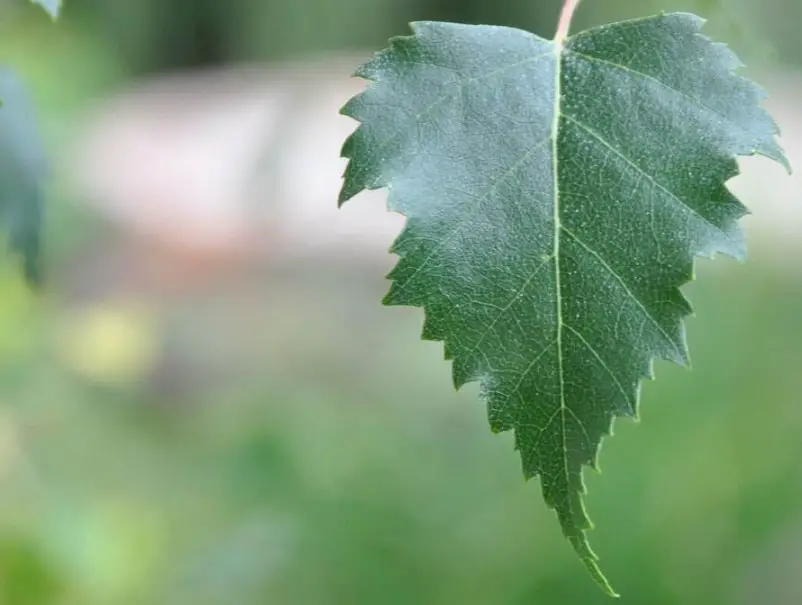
207 404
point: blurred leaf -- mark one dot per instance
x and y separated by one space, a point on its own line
26 577
51 6
23 169
112 344
556 195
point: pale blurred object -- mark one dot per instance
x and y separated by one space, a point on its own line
233 164
112 343
213 183
774 197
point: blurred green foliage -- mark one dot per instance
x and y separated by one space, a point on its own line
350 473
149 35
347 471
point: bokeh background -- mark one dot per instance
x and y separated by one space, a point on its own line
208 405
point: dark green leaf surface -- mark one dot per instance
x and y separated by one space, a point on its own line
22 173
51 6
556 195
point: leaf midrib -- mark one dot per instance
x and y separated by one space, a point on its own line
577 536
557 226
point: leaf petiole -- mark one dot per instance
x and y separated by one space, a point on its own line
565 20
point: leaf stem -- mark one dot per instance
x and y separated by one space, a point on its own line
565 20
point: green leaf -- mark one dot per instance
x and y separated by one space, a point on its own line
23 170
556 195
51 6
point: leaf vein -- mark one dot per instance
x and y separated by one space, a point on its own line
688 98
581 426
516 389
460 85
603 363
626 288
556 253
465 219
503 310
641 171
542 431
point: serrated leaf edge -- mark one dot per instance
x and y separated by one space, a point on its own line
581 546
